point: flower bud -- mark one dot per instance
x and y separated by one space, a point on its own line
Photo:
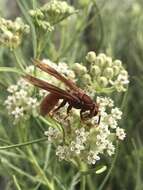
86 79
79 69
116 70
95 70
16 40
100 61
102 55
36 13
91 56
8 35
108 72
124 72
18 24
117 63
108 62
8 23
26 29
136 9
103 81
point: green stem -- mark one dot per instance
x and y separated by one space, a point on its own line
16 183
83 182
23 144
18 60
109 171
83 167
40 171
34 2
41 43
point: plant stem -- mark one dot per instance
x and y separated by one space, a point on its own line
23 144
40 171
83 167
15 53
82 182
16 183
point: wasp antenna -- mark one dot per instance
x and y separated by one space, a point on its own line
36 61
31 59
27 77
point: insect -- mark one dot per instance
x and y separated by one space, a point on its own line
74 96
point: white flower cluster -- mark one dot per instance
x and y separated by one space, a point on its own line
62 68
20 103
78 144
11 32
50 14
63 152
52 134
75 146
89 143
92 157
102 74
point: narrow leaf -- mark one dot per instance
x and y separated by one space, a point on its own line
11 69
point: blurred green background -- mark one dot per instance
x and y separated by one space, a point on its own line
109 26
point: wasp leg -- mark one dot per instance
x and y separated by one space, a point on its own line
81 114
93 112
99 119
63 103
68 111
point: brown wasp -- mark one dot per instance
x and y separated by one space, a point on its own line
74 96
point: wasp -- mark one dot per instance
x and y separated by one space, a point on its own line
74 96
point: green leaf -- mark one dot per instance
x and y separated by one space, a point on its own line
11 154
11 69
20 171
24 9
23 144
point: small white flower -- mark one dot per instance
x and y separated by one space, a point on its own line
10 100
76 147
21 94
63 152
50 63
23 84
123 79
110 148
42 93
116 113
61 67
19 103
52 134
32 103
12 88
104 101
30 69
111 121
120 133
18 112
92 157
81 135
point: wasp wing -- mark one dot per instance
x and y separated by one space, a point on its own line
56 74
62 94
